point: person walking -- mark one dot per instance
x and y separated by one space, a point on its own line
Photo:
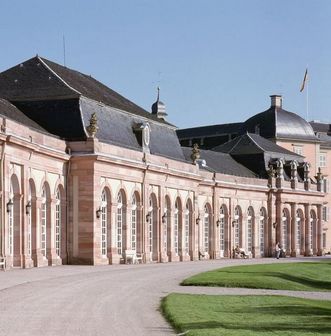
277 249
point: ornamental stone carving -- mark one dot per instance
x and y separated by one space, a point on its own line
294 171
92 128
195 153
280 168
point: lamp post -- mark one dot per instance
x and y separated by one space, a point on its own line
28 208
98 212
10 205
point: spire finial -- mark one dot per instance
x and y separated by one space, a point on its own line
158 93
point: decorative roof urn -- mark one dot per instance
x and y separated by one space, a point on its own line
195 153
92 128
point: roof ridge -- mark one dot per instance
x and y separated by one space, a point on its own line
236 144
249 135
59 77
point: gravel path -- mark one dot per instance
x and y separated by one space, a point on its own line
106 300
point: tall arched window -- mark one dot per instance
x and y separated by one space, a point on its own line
206 229
58 223
28 212
299 221
11 222
43 226
187 229
285 221
134 222
261 230
165 229
104 225
250 218
237 222
176 223
166 220
222 229
119 223
150 226
312 225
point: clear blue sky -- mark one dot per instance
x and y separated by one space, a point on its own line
217 61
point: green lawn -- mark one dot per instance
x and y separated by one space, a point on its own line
306 276
209 315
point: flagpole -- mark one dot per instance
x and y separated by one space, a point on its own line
307 109
307 94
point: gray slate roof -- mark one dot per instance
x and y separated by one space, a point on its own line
10 111
116 127
321 127
278 123
38 78
251 143
220 162
62 101
205 131
325 139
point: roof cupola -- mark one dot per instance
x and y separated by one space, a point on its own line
158 108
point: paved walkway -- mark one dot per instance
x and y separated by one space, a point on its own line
106 300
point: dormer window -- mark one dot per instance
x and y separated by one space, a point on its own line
142 132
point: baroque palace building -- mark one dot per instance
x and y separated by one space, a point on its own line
88 177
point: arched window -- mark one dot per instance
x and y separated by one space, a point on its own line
299 221
11 222
176 223
104 225
206 229
285 222
165 228
237 222
187 229
250 218
58 223
43 226
150 226
28 212
312 225
119 223
222 220
134 222
261 230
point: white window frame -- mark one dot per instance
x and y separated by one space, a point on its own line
104 221
298 149
119 223
206 230
134 223
261 230
312 222
325 213
58 217
11 230
43 224
150 227
285 222
176 224
187 230
298 230
222 229
165 230
322 159
250 215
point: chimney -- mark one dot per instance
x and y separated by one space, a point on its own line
276 101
